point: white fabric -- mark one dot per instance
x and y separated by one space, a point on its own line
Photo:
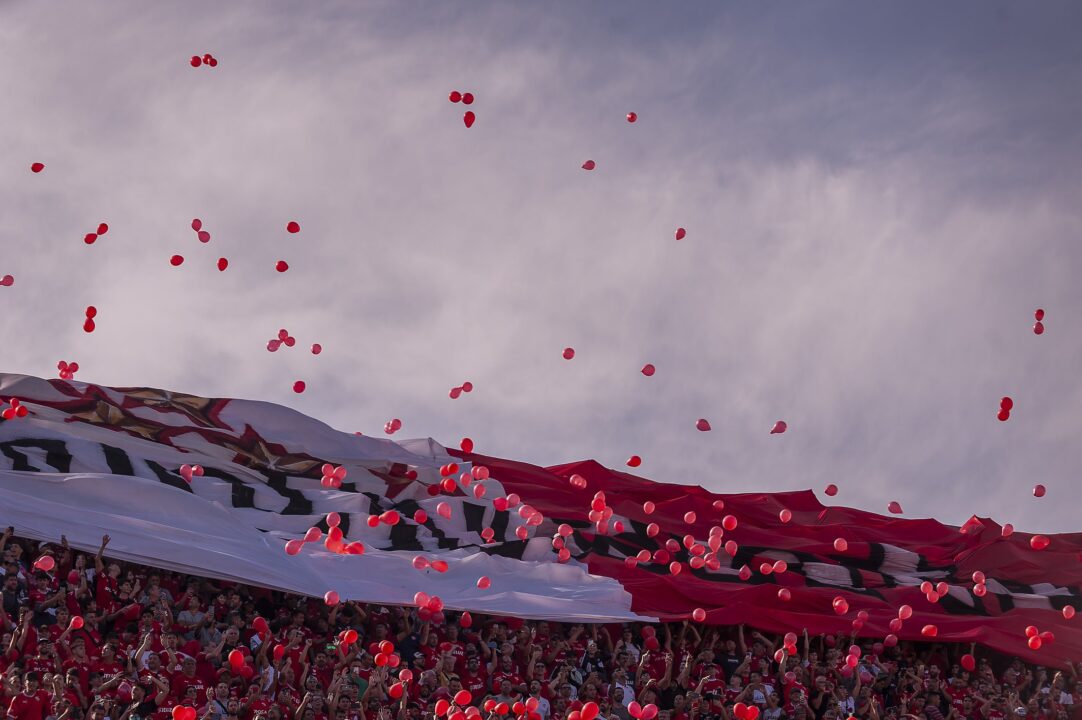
200 532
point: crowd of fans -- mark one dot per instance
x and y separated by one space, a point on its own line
87 638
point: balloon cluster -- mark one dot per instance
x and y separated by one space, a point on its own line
332 476
67 370
15 409
466 99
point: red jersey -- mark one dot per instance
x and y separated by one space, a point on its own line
499 676
29 707
477 683
41 665
957 695
182 682
106 593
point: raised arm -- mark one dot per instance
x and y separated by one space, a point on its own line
8 532
99 562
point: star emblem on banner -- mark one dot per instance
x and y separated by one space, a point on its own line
395 483
252 451
191 406
105 414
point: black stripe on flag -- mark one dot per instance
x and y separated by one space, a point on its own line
56 454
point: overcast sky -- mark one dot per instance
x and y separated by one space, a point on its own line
877 197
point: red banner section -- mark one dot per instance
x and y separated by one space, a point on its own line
877 564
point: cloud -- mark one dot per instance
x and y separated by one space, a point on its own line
876 201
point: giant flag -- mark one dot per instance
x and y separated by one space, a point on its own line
88 460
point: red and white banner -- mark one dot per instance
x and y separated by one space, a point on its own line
88 460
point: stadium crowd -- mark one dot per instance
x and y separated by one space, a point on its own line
88 638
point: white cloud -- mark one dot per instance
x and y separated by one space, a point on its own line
869 232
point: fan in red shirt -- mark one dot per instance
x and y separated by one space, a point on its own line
106 586
474 677
187 678
32 703
45 660
506 671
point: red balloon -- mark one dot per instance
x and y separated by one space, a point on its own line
969 662
1006 404
1038 328
37 167
76 622
681 233
648 370
45 563
293 226
223 263
463 697
176 260
698 614
1038 314
929 631
634 461
632 117
468 118
702 425
589 165
1038 490
298 387
589 711
779 427
467 98
1034 643
1039 542
236 659
281 266
785 515
831 490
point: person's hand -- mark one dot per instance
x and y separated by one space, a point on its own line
105 540
210 694
9 531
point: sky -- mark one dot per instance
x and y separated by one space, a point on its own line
877 197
